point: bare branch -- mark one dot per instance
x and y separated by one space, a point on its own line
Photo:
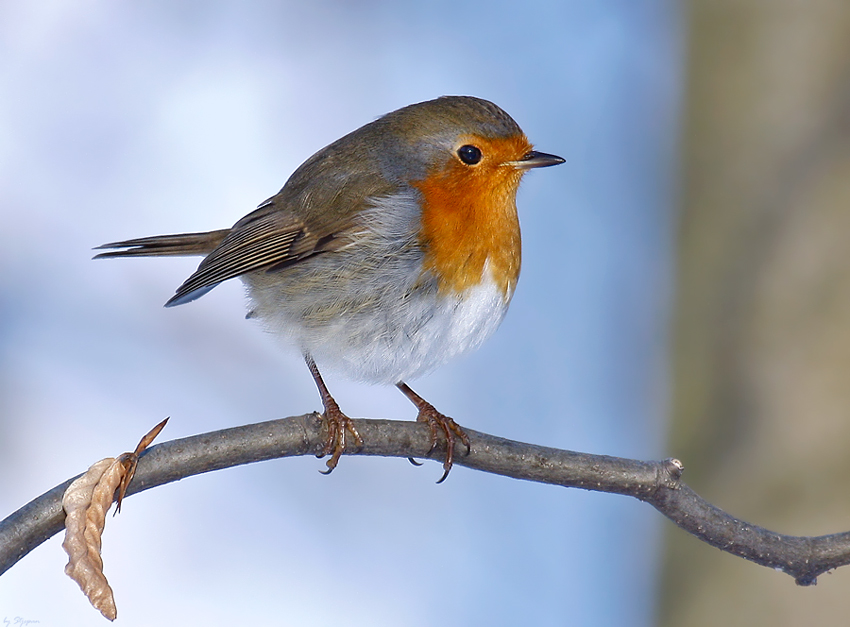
657 483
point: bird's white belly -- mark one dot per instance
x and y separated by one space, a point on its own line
431 332
412 333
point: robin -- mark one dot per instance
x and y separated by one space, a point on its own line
385 254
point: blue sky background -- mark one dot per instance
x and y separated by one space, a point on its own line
121 120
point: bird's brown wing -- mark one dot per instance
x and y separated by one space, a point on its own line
265 239
261 240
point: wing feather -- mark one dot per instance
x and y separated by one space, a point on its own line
250 246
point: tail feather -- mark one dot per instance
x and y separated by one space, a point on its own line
184 244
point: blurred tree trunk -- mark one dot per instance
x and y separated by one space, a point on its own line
761 363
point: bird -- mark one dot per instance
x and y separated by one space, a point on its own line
387 253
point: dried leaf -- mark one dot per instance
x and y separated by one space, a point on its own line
150 436
131 461
86 502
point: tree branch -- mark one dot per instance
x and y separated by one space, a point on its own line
656 483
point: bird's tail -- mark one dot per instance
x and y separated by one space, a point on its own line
184 244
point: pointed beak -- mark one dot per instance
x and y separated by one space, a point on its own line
536 159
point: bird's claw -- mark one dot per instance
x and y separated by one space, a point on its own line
451 431
337 425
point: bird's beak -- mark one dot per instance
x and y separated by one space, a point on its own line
536 159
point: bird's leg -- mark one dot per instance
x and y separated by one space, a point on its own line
436 421
338 423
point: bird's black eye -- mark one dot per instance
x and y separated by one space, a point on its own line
469 154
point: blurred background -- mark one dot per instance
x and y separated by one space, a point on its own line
684 293
760 359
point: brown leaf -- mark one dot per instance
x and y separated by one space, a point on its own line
86 502
149 437
131 460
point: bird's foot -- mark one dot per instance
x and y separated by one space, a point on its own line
338 424
438 422
452 431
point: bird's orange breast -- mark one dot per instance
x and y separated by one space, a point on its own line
469 218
